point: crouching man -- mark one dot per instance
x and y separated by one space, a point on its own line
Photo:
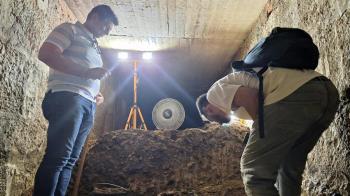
299 105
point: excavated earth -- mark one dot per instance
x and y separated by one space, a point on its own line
166 162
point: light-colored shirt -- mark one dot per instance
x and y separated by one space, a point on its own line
278 84
78 44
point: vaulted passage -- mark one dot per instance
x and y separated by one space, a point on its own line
193 43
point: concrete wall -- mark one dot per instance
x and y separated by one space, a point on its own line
25 24
328 168
23 27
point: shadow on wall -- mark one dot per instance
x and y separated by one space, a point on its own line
155 84
170 74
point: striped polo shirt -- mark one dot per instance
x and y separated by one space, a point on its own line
78 44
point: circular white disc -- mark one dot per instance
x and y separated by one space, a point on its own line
168 114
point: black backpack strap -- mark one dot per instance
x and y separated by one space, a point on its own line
261 101
241 66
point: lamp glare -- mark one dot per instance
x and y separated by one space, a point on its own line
147 55
123 55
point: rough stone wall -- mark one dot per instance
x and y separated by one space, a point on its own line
328 168
23 27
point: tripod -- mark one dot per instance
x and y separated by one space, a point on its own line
135 109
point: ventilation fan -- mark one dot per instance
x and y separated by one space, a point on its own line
168 114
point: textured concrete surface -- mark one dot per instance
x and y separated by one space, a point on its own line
328 167
202 35
24 25
191 161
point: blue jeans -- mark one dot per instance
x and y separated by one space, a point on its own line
70 119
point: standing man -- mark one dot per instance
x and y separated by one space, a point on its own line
74 57
299 106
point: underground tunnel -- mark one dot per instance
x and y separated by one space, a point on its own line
193 43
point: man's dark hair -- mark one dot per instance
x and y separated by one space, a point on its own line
201 102
104 12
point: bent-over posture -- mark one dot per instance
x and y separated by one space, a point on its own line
299 105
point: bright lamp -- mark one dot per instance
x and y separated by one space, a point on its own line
123 55
147 55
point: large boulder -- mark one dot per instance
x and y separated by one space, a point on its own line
186 162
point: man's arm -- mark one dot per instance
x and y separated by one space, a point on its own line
248 98
52 56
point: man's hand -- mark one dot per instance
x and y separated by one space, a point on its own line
97 73
99 99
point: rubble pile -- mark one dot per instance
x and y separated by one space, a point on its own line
166 162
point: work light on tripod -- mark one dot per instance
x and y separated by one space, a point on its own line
135 110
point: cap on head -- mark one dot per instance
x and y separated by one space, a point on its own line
201 103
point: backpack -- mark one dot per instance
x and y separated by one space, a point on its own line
291 48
